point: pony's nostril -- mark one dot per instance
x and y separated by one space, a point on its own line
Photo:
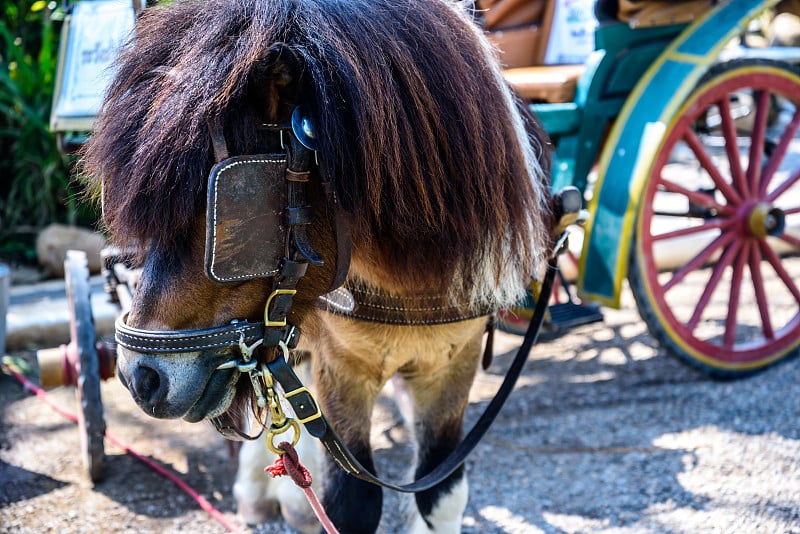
146 385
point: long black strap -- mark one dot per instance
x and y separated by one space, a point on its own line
308 412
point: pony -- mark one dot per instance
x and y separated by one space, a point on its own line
415 142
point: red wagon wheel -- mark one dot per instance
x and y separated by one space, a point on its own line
714 270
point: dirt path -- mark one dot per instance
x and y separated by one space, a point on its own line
605 433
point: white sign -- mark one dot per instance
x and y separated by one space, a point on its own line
572 32
96 31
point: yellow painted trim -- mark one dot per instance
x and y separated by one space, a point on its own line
671 333
692 59
600 299
640 174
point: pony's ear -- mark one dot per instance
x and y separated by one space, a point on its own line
274 83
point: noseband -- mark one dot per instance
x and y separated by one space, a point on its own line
244 335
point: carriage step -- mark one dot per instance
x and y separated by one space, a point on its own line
560 318
568 315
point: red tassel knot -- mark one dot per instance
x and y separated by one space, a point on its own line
288 463
277 469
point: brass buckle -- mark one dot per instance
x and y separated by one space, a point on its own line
269 399
267 320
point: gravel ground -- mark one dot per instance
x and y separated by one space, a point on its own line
605 433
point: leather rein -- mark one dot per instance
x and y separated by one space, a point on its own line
274 331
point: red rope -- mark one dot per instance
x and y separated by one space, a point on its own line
204 504
289 463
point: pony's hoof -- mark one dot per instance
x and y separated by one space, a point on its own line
258 511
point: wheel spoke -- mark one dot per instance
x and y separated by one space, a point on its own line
711 224
708 165
716 275
781 189
761 294
791 211
697 197
775 261
722 240
789 238
729 337
757 141
778 153
732 146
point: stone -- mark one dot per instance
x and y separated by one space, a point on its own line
54 241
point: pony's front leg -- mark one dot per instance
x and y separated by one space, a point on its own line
347 396
440 399
261 498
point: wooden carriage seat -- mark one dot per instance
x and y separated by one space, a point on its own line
521 29
545 83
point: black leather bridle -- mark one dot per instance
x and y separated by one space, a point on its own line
292 253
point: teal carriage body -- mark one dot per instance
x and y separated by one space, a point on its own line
653 97
654 102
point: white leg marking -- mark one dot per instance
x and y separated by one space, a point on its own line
445 518
251 489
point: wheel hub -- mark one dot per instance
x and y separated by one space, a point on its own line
765 220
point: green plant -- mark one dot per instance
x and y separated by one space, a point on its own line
36 187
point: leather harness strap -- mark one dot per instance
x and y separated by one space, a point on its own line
219 337
342 227
309 413
362 302
305 407
566 207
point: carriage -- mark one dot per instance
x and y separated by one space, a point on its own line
681 136
693 152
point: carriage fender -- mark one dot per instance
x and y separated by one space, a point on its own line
635 138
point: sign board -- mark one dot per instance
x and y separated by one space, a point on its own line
572 32
90 39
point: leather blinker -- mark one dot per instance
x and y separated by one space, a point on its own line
245 226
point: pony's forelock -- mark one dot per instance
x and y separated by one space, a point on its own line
418 132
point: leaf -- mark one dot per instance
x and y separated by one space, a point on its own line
34 175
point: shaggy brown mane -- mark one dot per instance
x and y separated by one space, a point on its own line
417 130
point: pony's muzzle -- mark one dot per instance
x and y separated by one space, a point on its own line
171 386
